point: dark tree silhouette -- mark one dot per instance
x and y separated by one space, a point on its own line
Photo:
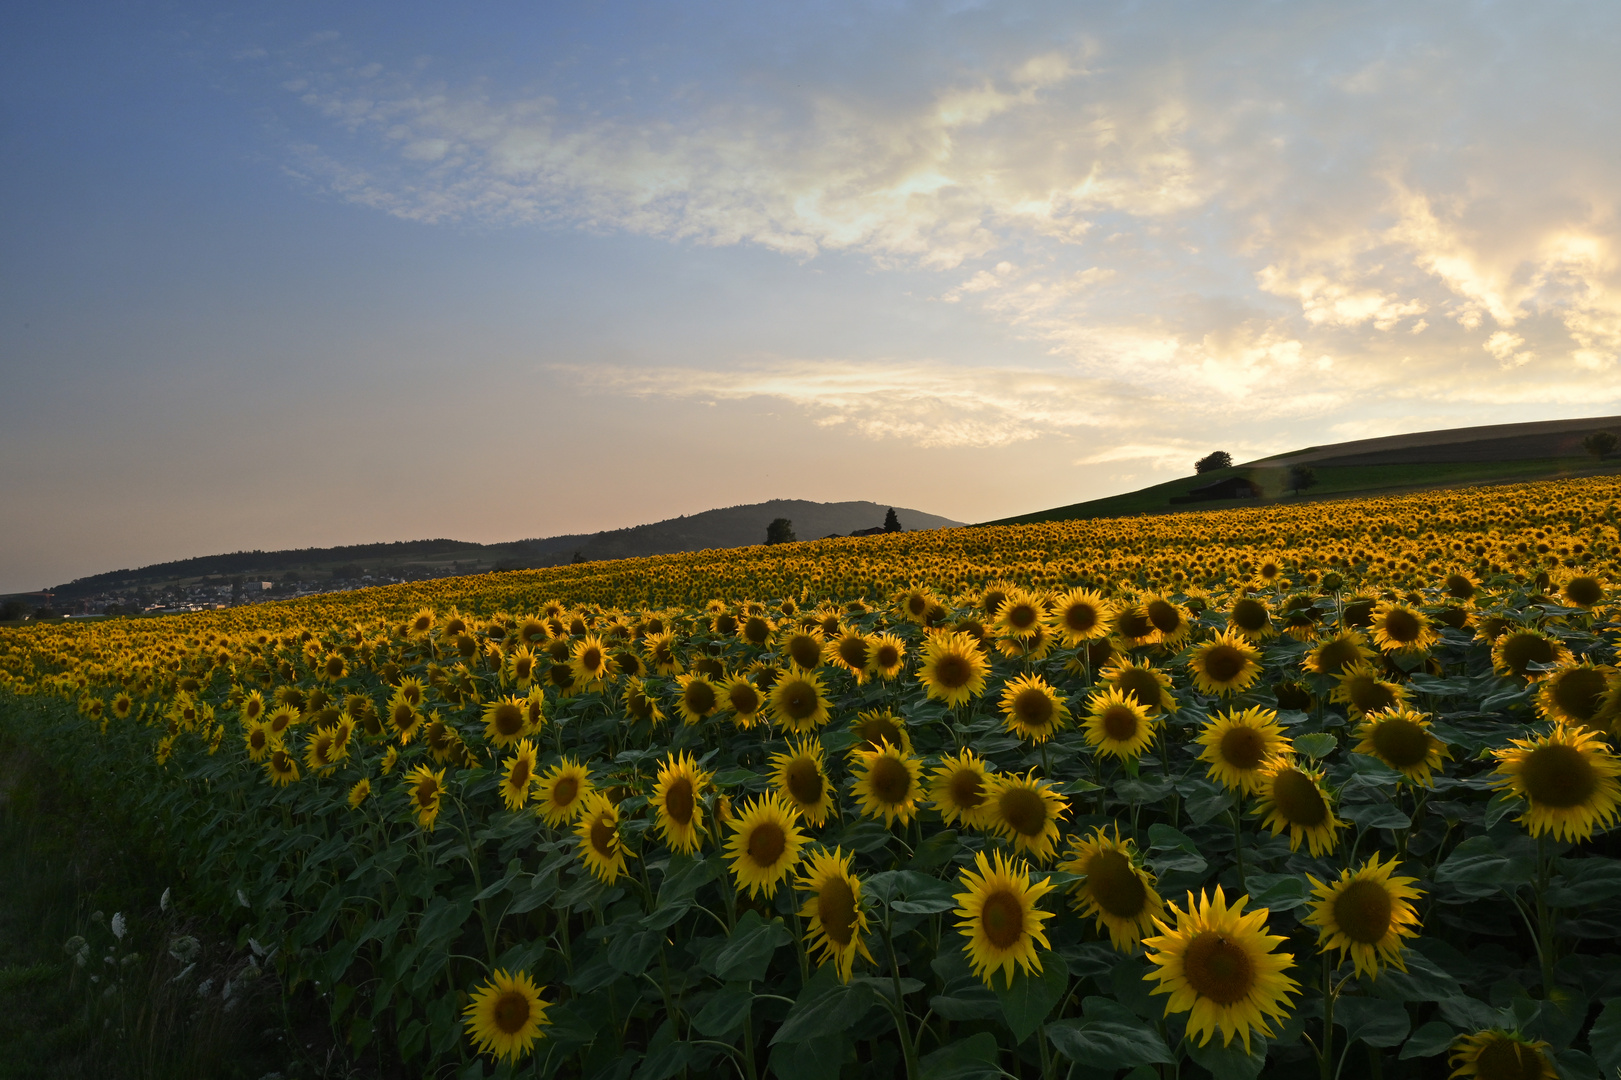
1301 477
891 522
1219 459
780 531
1601 444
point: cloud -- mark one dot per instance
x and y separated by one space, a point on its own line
1254 213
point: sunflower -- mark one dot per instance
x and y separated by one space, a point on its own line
1575 693
953 669
1227 664
1567 779
390 759
1365 913
886 655
322 753
699 699
1031 709
1116 724
281 767
1168 617
1080 615
426 788
1129 624
1291 797
1026 811
677 802
1250 619
561 790
888 783
764 845
1362 691
1000 917
359 793
1036 645
661 655
639 704
1021 616
802 647
404 720
756 629
1333 655
1501 1055
590 662
505 1015
838 922
958 788
873 727
506 720
1222 967
601 848
518 776
851 651
1518 648
259 741
280 719
1114 887
801 779
1586 591
797 702
1238 744
743 700
1401 739
1146 684
521 667
253 707
1399 627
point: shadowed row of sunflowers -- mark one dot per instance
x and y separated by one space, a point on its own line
1340 807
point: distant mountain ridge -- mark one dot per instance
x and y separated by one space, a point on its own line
726 527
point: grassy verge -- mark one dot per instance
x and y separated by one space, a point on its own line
101 974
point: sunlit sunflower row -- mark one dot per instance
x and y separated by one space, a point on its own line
832 830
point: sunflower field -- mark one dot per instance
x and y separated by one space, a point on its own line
1325 790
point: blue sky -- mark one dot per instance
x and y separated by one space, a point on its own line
300 274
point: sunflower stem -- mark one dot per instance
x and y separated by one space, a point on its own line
898 1006
1325 1055
1544 917
1238 843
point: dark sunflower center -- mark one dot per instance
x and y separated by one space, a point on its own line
1584 591
591 659
756 630
508 718
917 603
603 836
836 908
257 739
1034 708
805 651
886 656
511 1012
1403 625
1133 623
1370 695
522 668
1002 919
952 671
1401 742
699 697
1250 615
1114 884
879 728
1139 683
1223 663
678 801
1458 586
425 792
1297 799
726 624
334 667
1335 655
853 651
1120 723
1024 809
1557 775
1524 649
1506 1059
805 781
744 698
1218 968
519 777
1021 616
967 789
767 842
1577 692
890 779
1165 616
798 699
1080 618
1362 911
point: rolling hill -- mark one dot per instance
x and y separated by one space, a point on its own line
1453 457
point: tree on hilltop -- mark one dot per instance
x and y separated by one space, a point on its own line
1219 459
1601 444
1301 477
891 522
780 531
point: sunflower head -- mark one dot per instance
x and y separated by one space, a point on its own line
1362 691
1365 913
1516 650
1567 778
1291 798
1238 745
1575 693
888 783
765 844
960 789
1501 1055
560 792
1032 709
677 802
1401 739
1333 655
1114 887
1250 618
1401 627
700 698
1118 725
1080 615
1026 811
797 702
1142 682
801 778
953 669
1227 664
838 919
597 832
875 726
1000 917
